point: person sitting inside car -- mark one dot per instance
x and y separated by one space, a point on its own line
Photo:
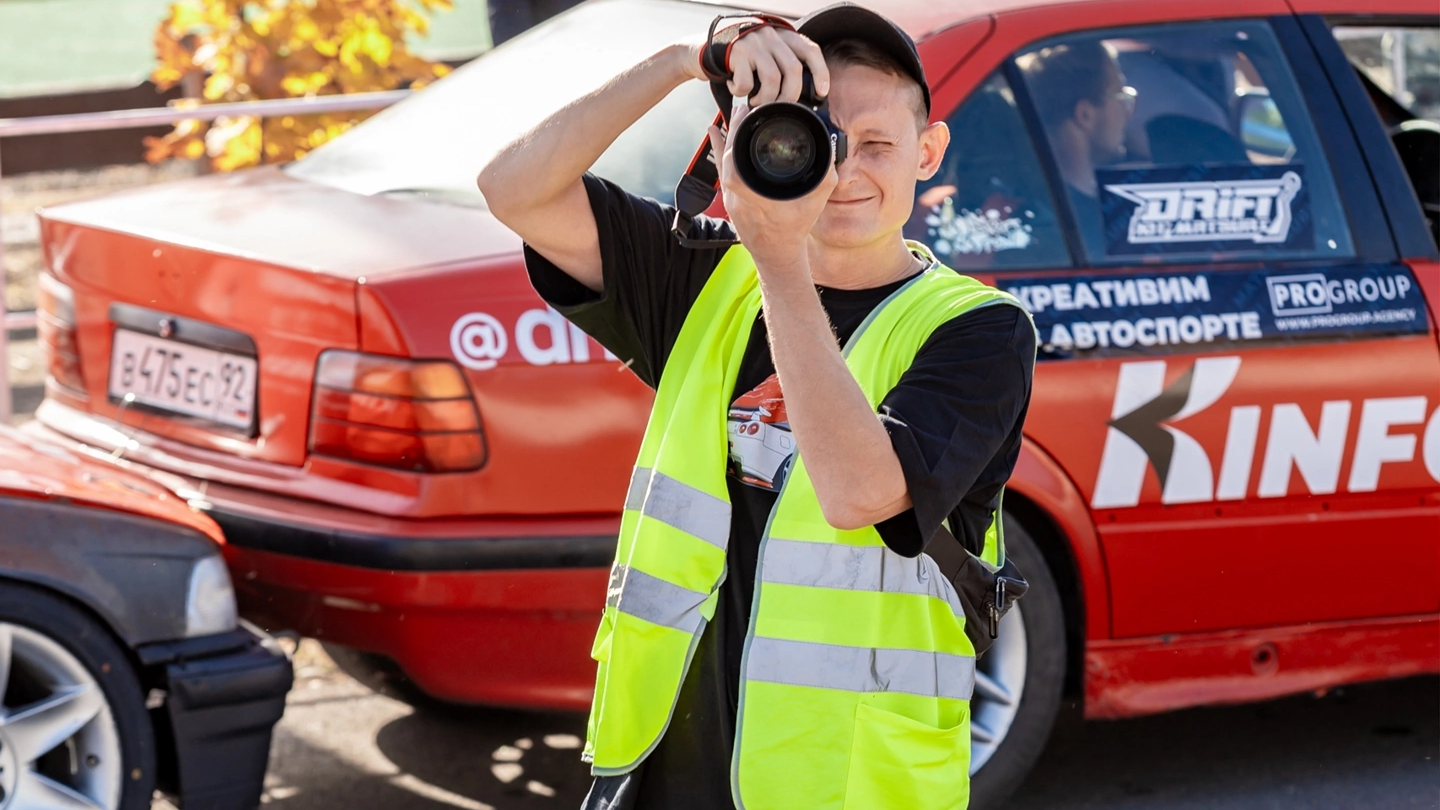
1085 104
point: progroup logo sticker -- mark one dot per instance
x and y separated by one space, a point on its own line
1127 314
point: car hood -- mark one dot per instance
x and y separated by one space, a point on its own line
33 468
266 215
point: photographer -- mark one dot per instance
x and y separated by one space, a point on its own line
773 634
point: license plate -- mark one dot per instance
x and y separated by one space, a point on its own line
184 378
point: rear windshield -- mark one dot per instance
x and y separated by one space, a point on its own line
435 143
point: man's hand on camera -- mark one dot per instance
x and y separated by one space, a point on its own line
776 57
776 232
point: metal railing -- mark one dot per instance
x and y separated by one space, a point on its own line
150 117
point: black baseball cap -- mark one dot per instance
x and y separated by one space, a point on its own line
849 21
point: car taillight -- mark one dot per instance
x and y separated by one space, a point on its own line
55 326
408 414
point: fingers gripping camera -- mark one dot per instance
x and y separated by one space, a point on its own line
783 150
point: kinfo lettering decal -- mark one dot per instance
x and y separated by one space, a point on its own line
1141 435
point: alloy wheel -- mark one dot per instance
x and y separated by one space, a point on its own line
999 686
59 745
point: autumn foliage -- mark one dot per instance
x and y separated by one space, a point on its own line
241 50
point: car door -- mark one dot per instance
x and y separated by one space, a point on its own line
1236 369
1385 66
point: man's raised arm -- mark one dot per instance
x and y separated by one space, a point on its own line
534 185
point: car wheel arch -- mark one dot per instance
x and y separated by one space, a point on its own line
1043 499
77 598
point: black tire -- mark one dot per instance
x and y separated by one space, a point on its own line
93 645
1044 677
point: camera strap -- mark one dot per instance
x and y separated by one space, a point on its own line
701 182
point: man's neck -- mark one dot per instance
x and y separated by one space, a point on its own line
864 267
1072 157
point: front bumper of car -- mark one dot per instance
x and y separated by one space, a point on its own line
222 695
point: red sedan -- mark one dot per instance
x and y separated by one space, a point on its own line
1230 485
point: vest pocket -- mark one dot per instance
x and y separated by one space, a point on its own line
897 763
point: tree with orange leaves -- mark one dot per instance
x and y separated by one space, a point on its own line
266 49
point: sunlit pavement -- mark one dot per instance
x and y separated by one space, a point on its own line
1367 747
1371 747
341 746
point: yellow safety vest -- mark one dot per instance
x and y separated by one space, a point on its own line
857 673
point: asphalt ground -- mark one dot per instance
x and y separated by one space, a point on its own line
1368 747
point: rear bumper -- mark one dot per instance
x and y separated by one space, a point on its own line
502 615
391 552
224 695
486 610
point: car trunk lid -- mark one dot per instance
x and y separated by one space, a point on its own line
253 264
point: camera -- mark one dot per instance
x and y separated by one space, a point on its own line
782 149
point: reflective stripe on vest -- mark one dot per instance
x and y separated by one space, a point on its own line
688 509
856 568
861 669
636 593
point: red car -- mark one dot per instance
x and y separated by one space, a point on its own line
122 666
1223 220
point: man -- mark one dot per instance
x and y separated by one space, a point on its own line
1085 105
772 629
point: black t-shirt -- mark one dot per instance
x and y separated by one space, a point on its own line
954 419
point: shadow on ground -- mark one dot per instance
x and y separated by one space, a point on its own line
1368 746
512 742
342 747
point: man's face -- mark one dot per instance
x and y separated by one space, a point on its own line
1111 113
886 156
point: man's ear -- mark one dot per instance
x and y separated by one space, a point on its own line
1085 114
934 139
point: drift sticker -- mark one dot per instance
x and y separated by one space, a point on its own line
1126 314
1204 209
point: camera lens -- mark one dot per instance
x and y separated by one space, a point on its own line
783 149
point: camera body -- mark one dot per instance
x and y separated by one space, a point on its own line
782 150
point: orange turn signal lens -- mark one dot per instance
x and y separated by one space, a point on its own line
391 376
408 414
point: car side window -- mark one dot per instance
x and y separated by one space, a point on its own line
988 207
1184 142
1400 69
1402 62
